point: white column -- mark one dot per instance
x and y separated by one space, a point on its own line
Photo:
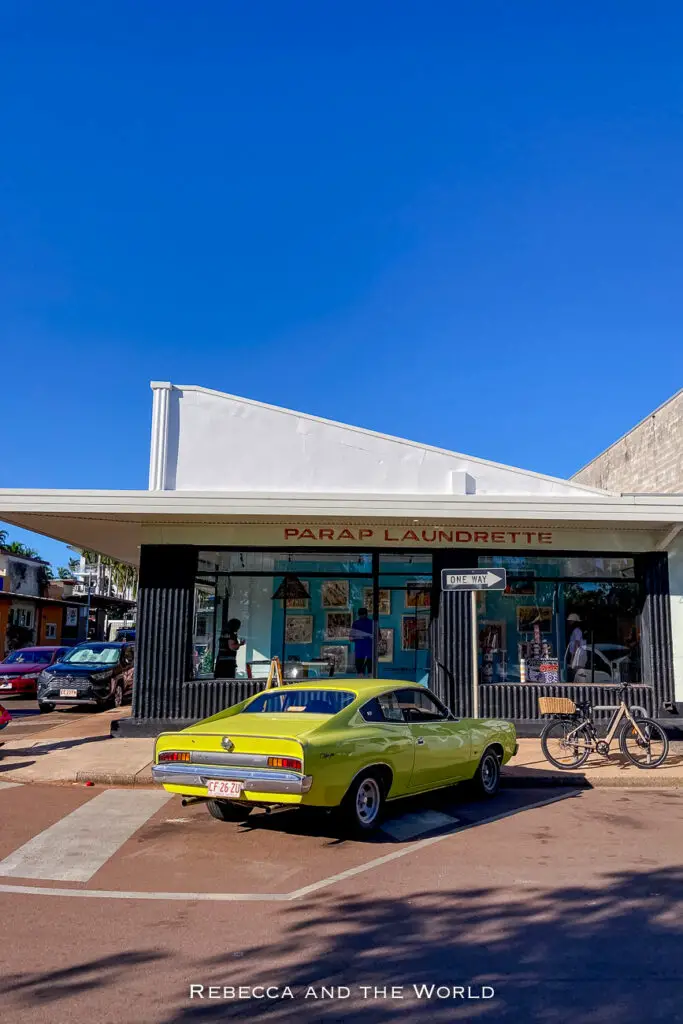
676 598
161 391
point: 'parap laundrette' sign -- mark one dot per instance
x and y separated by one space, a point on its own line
429 536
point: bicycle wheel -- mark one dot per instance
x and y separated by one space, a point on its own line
565 745
649 752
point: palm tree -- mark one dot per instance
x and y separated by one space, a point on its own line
3 538
15 547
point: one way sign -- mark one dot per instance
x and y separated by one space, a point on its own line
473 579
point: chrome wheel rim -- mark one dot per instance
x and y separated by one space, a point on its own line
118 697
367 801
489 773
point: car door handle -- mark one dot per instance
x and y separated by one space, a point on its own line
420 741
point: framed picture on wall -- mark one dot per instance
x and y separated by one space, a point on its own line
521 586
338 625
491 635
337 655
71 617
384 601
385 645
530 615
414 632
335 594
299 629
419 596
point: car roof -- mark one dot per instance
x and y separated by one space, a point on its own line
362 686
55 647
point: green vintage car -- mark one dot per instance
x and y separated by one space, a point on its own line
351 745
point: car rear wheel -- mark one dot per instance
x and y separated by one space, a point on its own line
486 780
225 810
45 708
361 809
118 695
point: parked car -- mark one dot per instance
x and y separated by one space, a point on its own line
20 670
5 717
601 663
100 674
123 635
351 745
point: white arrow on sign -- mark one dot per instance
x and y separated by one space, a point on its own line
473 579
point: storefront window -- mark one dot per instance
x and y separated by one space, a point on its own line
547 627
313 610
404 615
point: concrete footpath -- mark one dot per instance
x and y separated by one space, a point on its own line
66 748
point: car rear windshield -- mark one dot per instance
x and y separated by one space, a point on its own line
312 702
29 658
87 655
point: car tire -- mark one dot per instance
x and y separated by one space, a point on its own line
225 810
361 808
117 699
45 708
486 781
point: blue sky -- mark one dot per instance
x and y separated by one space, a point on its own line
457 222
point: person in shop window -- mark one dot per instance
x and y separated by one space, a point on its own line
229 644
577 646
361 634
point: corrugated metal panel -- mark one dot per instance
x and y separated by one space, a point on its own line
520 700
205 697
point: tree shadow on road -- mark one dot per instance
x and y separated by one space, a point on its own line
36 988
610 953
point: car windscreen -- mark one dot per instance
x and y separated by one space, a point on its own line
312 702
29 658
87 655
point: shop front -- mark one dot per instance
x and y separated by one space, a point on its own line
268 533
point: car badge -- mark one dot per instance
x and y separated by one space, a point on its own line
227 744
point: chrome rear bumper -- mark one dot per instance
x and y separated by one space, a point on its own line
255 780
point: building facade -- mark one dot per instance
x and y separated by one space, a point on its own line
271 530
32 611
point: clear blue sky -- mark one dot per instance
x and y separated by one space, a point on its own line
460 222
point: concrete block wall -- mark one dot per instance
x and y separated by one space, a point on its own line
648 459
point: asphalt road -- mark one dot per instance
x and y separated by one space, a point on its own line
550 904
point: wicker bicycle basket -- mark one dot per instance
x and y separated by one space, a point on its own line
556 706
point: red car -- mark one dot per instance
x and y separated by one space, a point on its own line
20 669
5 717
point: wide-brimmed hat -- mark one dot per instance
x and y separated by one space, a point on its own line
573 617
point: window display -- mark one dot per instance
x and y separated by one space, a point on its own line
546 627
315 610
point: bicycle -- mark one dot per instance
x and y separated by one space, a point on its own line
571 737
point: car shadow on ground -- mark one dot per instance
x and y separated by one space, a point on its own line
455 804
39 749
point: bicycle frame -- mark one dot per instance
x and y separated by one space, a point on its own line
620 711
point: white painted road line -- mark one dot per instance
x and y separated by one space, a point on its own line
9 785
410 826
73 849
279 897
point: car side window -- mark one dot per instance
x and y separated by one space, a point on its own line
391 709
372 711
418 705
128 656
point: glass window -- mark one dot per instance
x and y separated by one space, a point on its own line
28 657
420 706
391 709
90 654
404 616
548 630
312 702
301 563
372 711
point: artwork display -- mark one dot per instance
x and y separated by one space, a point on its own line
530 615
384 601
419 596
337 655
414 632
71 617
338 625
491 636
299 629
385 645
335 594
521 587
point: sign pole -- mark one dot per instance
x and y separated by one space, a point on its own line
475 658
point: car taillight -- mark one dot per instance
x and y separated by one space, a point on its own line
174 755
285 762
